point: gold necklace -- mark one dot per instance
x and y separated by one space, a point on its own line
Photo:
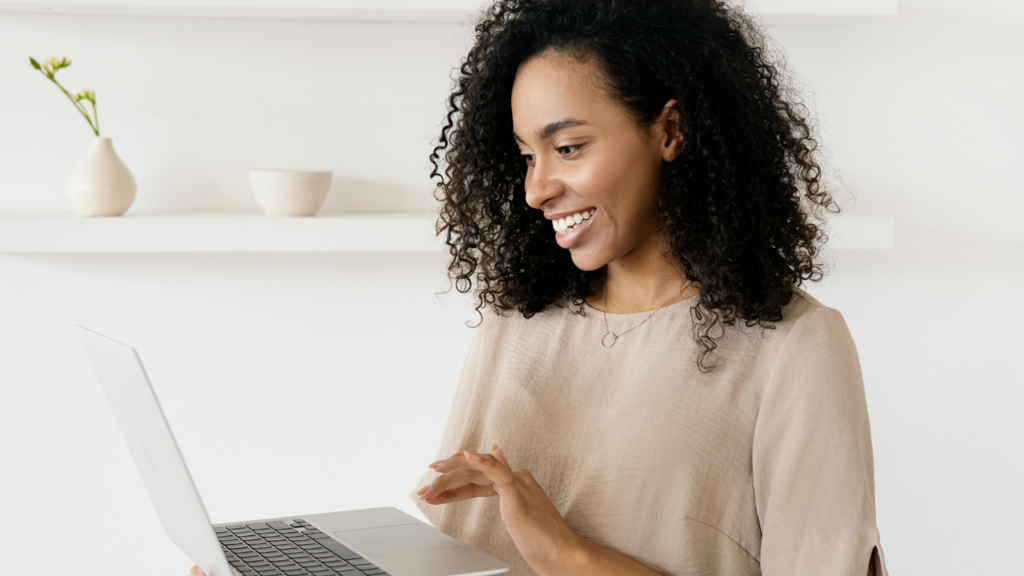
615 336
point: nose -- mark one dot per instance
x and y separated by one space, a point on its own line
542 184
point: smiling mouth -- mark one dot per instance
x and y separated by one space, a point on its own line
570 223
569 238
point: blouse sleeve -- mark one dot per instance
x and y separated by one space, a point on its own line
812 458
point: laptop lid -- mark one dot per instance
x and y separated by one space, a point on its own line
163 470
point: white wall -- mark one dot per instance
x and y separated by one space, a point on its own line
264 361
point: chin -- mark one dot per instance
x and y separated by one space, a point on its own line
586 262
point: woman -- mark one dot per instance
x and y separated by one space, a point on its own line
660 133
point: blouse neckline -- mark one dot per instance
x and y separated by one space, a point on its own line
676 306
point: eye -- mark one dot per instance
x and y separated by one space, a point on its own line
528 158
570 147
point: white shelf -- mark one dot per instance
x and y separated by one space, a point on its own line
66 232
30 232
776 12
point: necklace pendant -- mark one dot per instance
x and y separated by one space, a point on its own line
605 339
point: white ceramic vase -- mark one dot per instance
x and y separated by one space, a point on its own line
101 184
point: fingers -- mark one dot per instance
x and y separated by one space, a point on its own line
452 480
463 493
450 463
499 455
459 459
197 570
492 468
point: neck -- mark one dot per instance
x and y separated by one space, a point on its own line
642 281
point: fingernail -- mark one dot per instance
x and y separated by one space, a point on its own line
473 456
422 490
436 463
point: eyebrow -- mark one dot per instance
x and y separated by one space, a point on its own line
549 130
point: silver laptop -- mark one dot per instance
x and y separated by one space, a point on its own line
372 541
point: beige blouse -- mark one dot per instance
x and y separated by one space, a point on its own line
762 467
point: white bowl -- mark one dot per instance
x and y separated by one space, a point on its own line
290 192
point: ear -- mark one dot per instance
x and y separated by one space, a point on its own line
672 131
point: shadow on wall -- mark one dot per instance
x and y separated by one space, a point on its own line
354 195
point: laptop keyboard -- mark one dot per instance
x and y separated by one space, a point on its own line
293 548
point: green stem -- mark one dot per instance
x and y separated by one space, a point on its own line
96 115
77 105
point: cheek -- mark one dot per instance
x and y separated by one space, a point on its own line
602 180
622 186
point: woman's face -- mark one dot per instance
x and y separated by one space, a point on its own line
586 155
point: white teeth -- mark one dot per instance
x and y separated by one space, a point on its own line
570 222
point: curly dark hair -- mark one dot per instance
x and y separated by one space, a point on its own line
735 206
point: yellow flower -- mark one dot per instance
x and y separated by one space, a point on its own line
58 64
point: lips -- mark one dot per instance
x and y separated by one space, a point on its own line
572 238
